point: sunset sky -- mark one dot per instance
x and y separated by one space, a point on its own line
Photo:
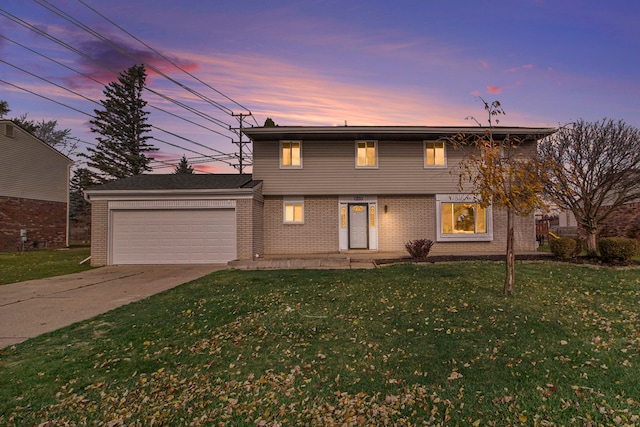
315 62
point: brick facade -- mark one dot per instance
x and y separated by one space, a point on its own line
249 228
407 218
623 222
99 232
318 234
45 222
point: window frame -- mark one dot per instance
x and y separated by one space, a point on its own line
444 154
462 237
375 147
282 157
292 201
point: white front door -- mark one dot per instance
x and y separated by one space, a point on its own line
358 226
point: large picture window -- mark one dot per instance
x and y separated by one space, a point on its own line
290 154
460 218
366 154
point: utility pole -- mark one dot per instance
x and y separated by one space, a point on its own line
240 143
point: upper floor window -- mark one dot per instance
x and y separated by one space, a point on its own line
434 154
366 154
290 154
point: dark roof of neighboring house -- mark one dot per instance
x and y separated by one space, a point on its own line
180 182
395 133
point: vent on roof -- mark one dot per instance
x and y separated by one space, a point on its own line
8 130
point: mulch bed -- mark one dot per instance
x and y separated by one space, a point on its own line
543 256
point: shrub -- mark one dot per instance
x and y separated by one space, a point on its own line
564 247
617 249
418 248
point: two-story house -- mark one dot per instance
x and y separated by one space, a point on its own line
313 190
34 191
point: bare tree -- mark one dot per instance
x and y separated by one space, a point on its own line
593 168
503 174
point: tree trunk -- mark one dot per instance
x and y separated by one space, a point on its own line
510 278
592 248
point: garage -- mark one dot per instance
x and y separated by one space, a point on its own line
176 219
176 236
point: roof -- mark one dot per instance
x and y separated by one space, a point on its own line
398 133
179 182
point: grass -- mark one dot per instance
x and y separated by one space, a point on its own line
21 266
432 344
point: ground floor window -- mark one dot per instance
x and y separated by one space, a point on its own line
461 218
293 210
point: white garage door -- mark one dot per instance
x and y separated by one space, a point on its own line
180 236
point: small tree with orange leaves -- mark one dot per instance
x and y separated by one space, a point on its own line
501 173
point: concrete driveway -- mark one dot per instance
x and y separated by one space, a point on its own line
28 309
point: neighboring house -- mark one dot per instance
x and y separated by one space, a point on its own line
34 191
313 190
623 222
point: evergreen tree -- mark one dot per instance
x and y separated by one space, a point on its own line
269 123
4 108
122 127
183 167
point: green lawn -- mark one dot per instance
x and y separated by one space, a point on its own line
20 266
432 344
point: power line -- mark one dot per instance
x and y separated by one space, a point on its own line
44 97
192 110
27 25
87 29
50 82
166 58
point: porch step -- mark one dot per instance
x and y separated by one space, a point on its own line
301 263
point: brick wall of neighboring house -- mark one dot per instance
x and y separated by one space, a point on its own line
45 222
318 234
99 232
623 222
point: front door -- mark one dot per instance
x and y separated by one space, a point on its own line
358 226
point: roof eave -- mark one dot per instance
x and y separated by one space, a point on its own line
93 195
380 132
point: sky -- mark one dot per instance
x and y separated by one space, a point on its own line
318 63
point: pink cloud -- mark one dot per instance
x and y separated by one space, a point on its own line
106 61
522 67
494 89
294 95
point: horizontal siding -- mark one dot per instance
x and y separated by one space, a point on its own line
30 169
329 168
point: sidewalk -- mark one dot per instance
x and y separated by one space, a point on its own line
31 308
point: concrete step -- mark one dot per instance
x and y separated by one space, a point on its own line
301 263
